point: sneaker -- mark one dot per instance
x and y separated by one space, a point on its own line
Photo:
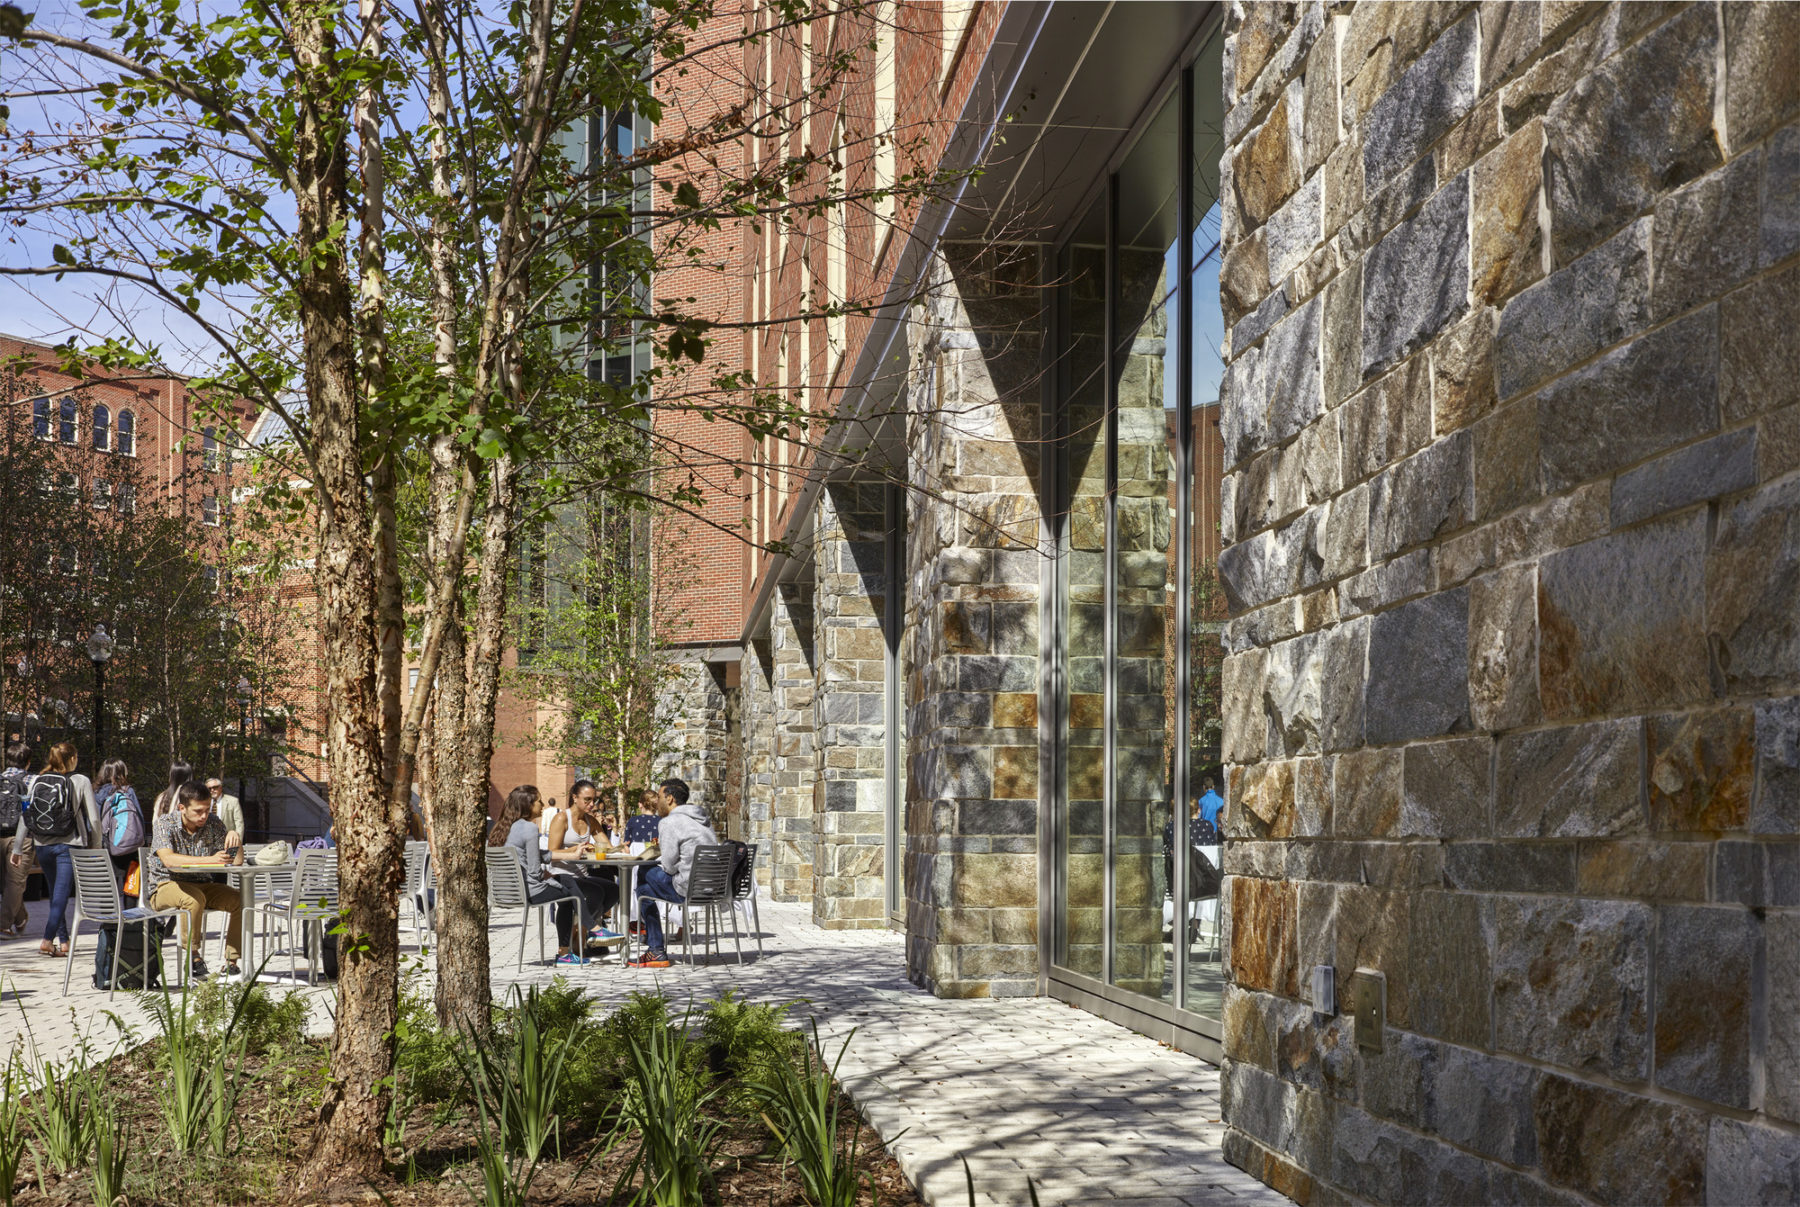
652 959
602 935
569 957
198 969
234 972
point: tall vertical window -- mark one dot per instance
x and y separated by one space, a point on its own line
209 510
66 421
209 450
102 493
102 424
127 496
1136 341
40 417
127 435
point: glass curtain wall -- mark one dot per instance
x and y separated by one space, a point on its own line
1138 333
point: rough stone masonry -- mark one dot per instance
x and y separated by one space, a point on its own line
1513 516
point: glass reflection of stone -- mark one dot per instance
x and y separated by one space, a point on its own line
1204 973
1083 477
1141 957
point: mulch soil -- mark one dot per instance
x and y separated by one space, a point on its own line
435 1166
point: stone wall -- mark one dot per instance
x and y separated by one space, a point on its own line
756 696
1513 425
975 564
850 817
695 706
793 679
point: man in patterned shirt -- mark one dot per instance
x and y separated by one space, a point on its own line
189 840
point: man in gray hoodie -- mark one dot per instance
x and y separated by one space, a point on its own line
682 831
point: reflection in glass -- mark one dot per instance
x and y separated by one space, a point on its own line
1147 268
1202 963
1082 474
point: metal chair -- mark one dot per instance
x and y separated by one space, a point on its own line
97 899
506 890
418 855
743 895
312 904
709 890
146 860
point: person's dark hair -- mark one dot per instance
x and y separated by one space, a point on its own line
180 774
516 807
575 789
190 792
677 789
113 772
1208 784
18 755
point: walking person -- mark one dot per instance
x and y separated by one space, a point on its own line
682 831
179 774
13 787
121 822
59 813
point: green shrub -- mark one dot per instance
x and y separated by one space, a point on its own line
667 1094
266 1022
744 1038
430 1058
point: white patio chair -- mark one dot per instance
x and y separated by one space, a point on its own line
412 897
311 905
506 891
98 900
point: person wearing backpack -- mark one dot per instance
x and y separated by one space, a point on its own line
167 800
58 813
13 786
121 821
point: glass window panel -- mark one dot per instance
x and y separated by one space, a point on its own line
1081 389
1202 964
1146 268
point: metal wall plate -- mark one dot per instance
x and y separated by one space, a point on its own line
1368 1002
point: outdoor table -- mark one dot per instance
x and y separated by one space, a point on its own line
627 890
244 875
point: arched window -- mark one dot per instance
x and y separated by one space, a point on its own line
65 426
127 442
102 428
40 417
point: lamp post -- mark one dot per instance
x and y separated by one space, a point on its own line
243 695
99 651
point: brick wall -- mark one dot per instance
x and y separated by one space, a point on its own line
1511 712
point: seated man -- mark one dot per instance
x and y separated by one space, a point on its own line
188 840
682 830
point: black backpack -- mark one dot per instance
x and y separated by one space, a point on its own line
12 799
50 807
740 867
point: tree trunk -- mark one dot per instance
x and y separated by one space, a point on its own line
347 1141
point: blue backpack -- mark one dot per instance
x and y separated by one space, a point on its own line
121 820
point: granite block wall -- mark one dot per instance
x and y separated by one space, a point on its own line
696 733
849 806
757 701
975 562
793 687
1512 428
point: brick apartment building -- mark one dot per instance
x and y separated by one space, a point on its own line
1499 299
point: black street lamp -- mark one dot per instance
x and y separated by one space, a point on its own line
99 651
243 695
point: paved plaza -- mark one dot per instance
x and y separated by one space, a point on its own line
1090 1112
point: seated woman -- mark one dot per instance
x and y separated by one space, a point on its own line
517 827
577 834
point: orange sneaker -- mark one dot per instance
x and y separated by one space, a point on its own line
652 959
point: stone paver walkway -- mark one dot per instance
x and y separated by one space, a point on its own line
1089 1111
1092 1113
